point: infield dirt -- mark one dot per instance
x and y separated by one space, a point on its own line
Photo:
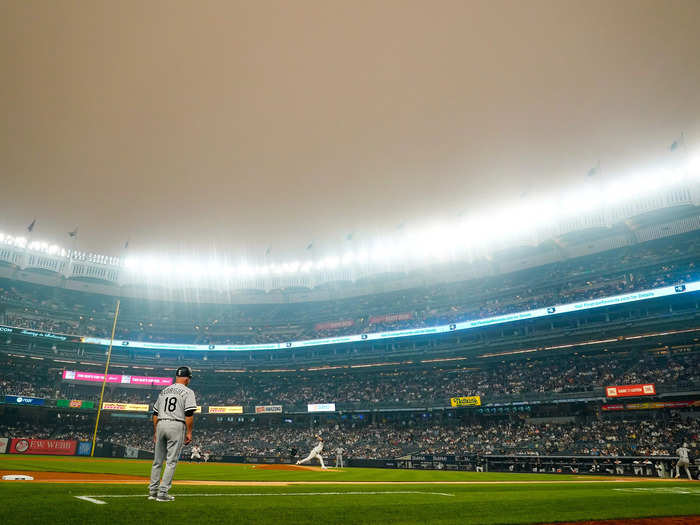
123 479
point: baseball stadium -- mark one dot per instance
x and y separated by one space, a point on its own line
555 382
336 263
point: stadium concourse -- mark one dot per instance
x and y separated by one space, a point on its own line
542 384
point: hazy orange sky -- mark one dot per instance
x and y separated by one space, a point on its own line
230 126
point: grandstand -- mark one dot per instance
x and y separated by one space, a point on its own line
538 333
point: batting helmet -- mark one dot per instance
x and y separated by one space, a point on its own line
183 371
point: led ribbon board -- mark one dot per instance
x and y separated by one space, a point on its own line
226 410
321 407
580 306
74 375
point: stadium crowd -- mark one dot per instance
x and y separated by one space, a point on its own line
393 439
650 265
489 379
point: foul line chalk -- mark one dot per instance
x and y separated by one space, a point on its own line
92 500
95 500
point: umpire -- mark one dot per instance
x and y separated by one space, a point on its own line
173 418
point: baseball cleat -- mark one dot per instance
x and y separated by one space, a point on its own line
152 496
165 497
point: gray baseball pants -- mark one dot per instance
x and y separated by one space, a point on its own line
170 438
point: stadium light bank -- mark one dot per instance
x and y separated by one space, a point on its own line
527 221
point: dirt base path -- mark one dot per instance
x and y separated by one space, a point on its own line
73 477
94 478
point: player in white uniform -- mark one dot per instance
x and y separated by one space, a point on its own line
339 457
196 454
173 418
315 453
683 460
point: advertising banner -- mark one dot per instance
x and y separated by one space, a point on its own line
321 407
465 401
84 448
55 447
74 403
630 390
3 445
24 400
653 405
390 318
663 404
269 409
334 325
226 410
91 377
126 407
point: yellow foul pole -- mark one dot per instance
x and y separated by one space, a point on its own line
104 379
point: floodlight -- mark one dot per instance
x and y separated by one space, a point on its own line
362 257
131 263
150 266
616 192
693 165
214 269
578 202
166 268
379 254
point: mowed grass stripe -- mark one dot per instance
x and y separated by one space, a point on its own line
497 504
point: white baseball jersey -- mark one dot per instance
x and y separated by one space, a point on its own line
682 453
318 448
173 401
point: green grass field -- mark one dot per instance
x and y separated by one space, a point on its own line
490 500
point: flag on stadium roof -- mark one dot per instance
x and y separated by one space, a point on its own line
595 170
680 141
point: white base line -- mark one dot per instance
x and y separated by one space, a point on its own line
93 499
